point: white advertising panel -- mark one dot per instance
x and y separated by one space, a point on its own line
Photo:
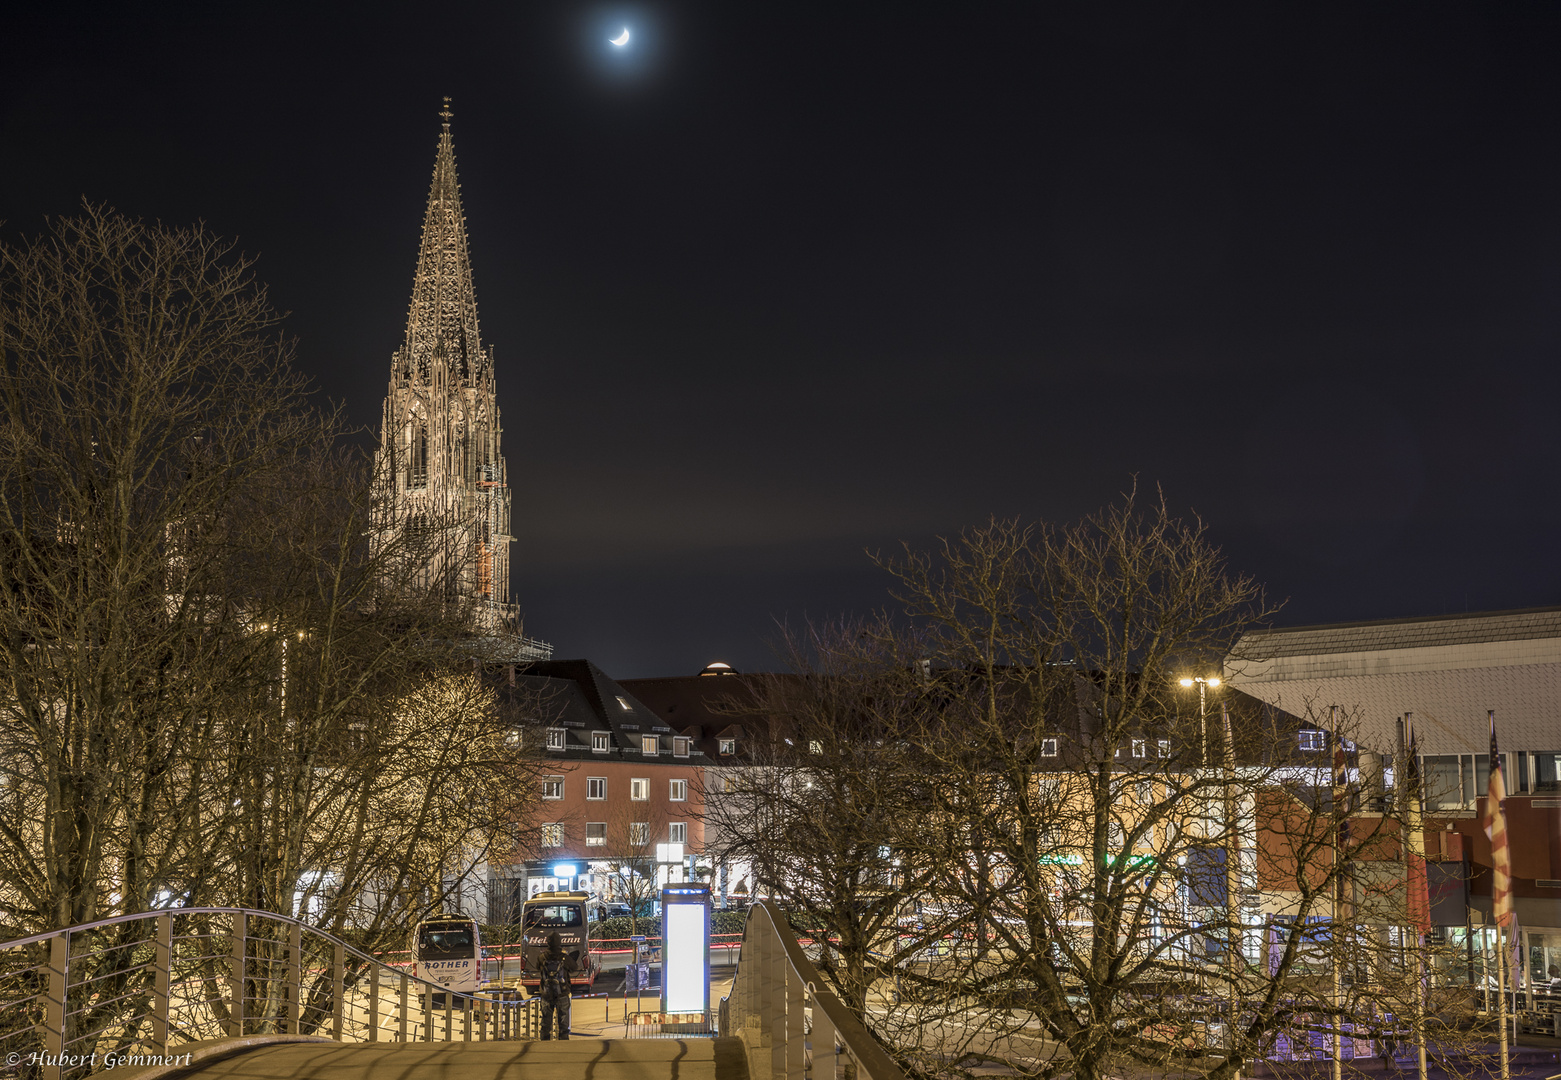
685 949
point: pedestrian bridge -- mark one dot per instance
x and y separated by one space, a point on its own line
234 992
596 1059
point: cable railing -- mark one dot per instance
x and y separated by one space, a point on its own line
163 982
790 1026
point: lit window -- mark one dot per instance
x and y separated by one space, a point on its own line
677 832
1138 747
553 835
555 738
596 834
729 783
680 747
1048 748
1163 748
639 833
639 789
649 745
513 738
552 787
624 703
601 742
728 746
1313 739
596 787
815 747
679 792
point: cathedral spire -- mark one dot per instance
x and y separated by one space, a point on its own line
439 466
444 302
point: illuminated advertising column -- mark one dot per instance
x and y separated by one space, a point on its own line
685 948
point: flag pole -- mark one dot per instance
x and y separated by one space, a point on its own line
1501 883
1501 998
1338 896
1414 828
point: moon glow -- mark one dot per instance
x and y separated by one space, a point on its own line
622 39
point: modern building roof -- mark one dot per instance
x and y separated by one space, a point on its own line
1436 630
1450 671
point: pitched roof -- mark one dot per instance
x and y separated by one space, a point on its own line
579 696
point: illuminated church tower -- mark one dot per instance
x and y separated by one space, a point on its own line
441 475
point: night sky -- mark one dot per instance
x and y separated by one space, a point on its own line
779 283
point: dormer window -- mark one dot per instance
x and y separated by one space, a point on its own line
601 742
680 746
650 745
728 746
556 737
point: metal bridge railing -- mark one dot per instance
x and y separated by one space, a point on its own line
791 1027
151 983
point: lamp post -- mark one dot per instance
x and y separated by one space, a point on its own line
1204 685
1233 926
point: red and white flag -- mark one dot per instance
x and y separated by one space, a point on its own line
1418 886
1495 823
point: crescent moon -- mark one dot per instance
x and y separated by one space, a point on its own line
622 39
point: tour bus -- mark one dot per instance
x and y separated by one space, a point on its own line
570 915
447 950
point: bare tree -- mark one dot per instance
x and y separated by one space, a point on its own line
827 815
1085 839
214 691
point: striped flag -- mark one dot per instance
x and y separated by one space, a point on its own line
1419 889
1341 783
1495 823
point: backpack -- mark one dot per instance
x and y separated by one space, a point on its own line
555 983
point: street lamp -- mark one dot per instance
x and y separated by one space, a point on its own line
1204 683
1233 924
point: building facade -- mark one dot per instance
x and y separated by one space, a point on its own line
1446 675
620 806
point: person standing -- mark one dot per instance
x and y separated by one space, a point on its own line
555 970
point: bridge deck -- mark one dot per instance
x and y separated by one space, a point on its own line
596 1059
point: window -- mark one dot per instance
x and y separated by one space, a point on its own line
596 787
815 747
649 745
1163 748
623 703
1138 747
601 742
552 787
1547 772
555 738
639 789
680 746
677 832
679 791
729 784
553 834
596 834
1048 748
1312 739
728 746
639 833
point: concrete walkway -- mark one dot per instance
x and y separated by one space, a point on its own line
587 1059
